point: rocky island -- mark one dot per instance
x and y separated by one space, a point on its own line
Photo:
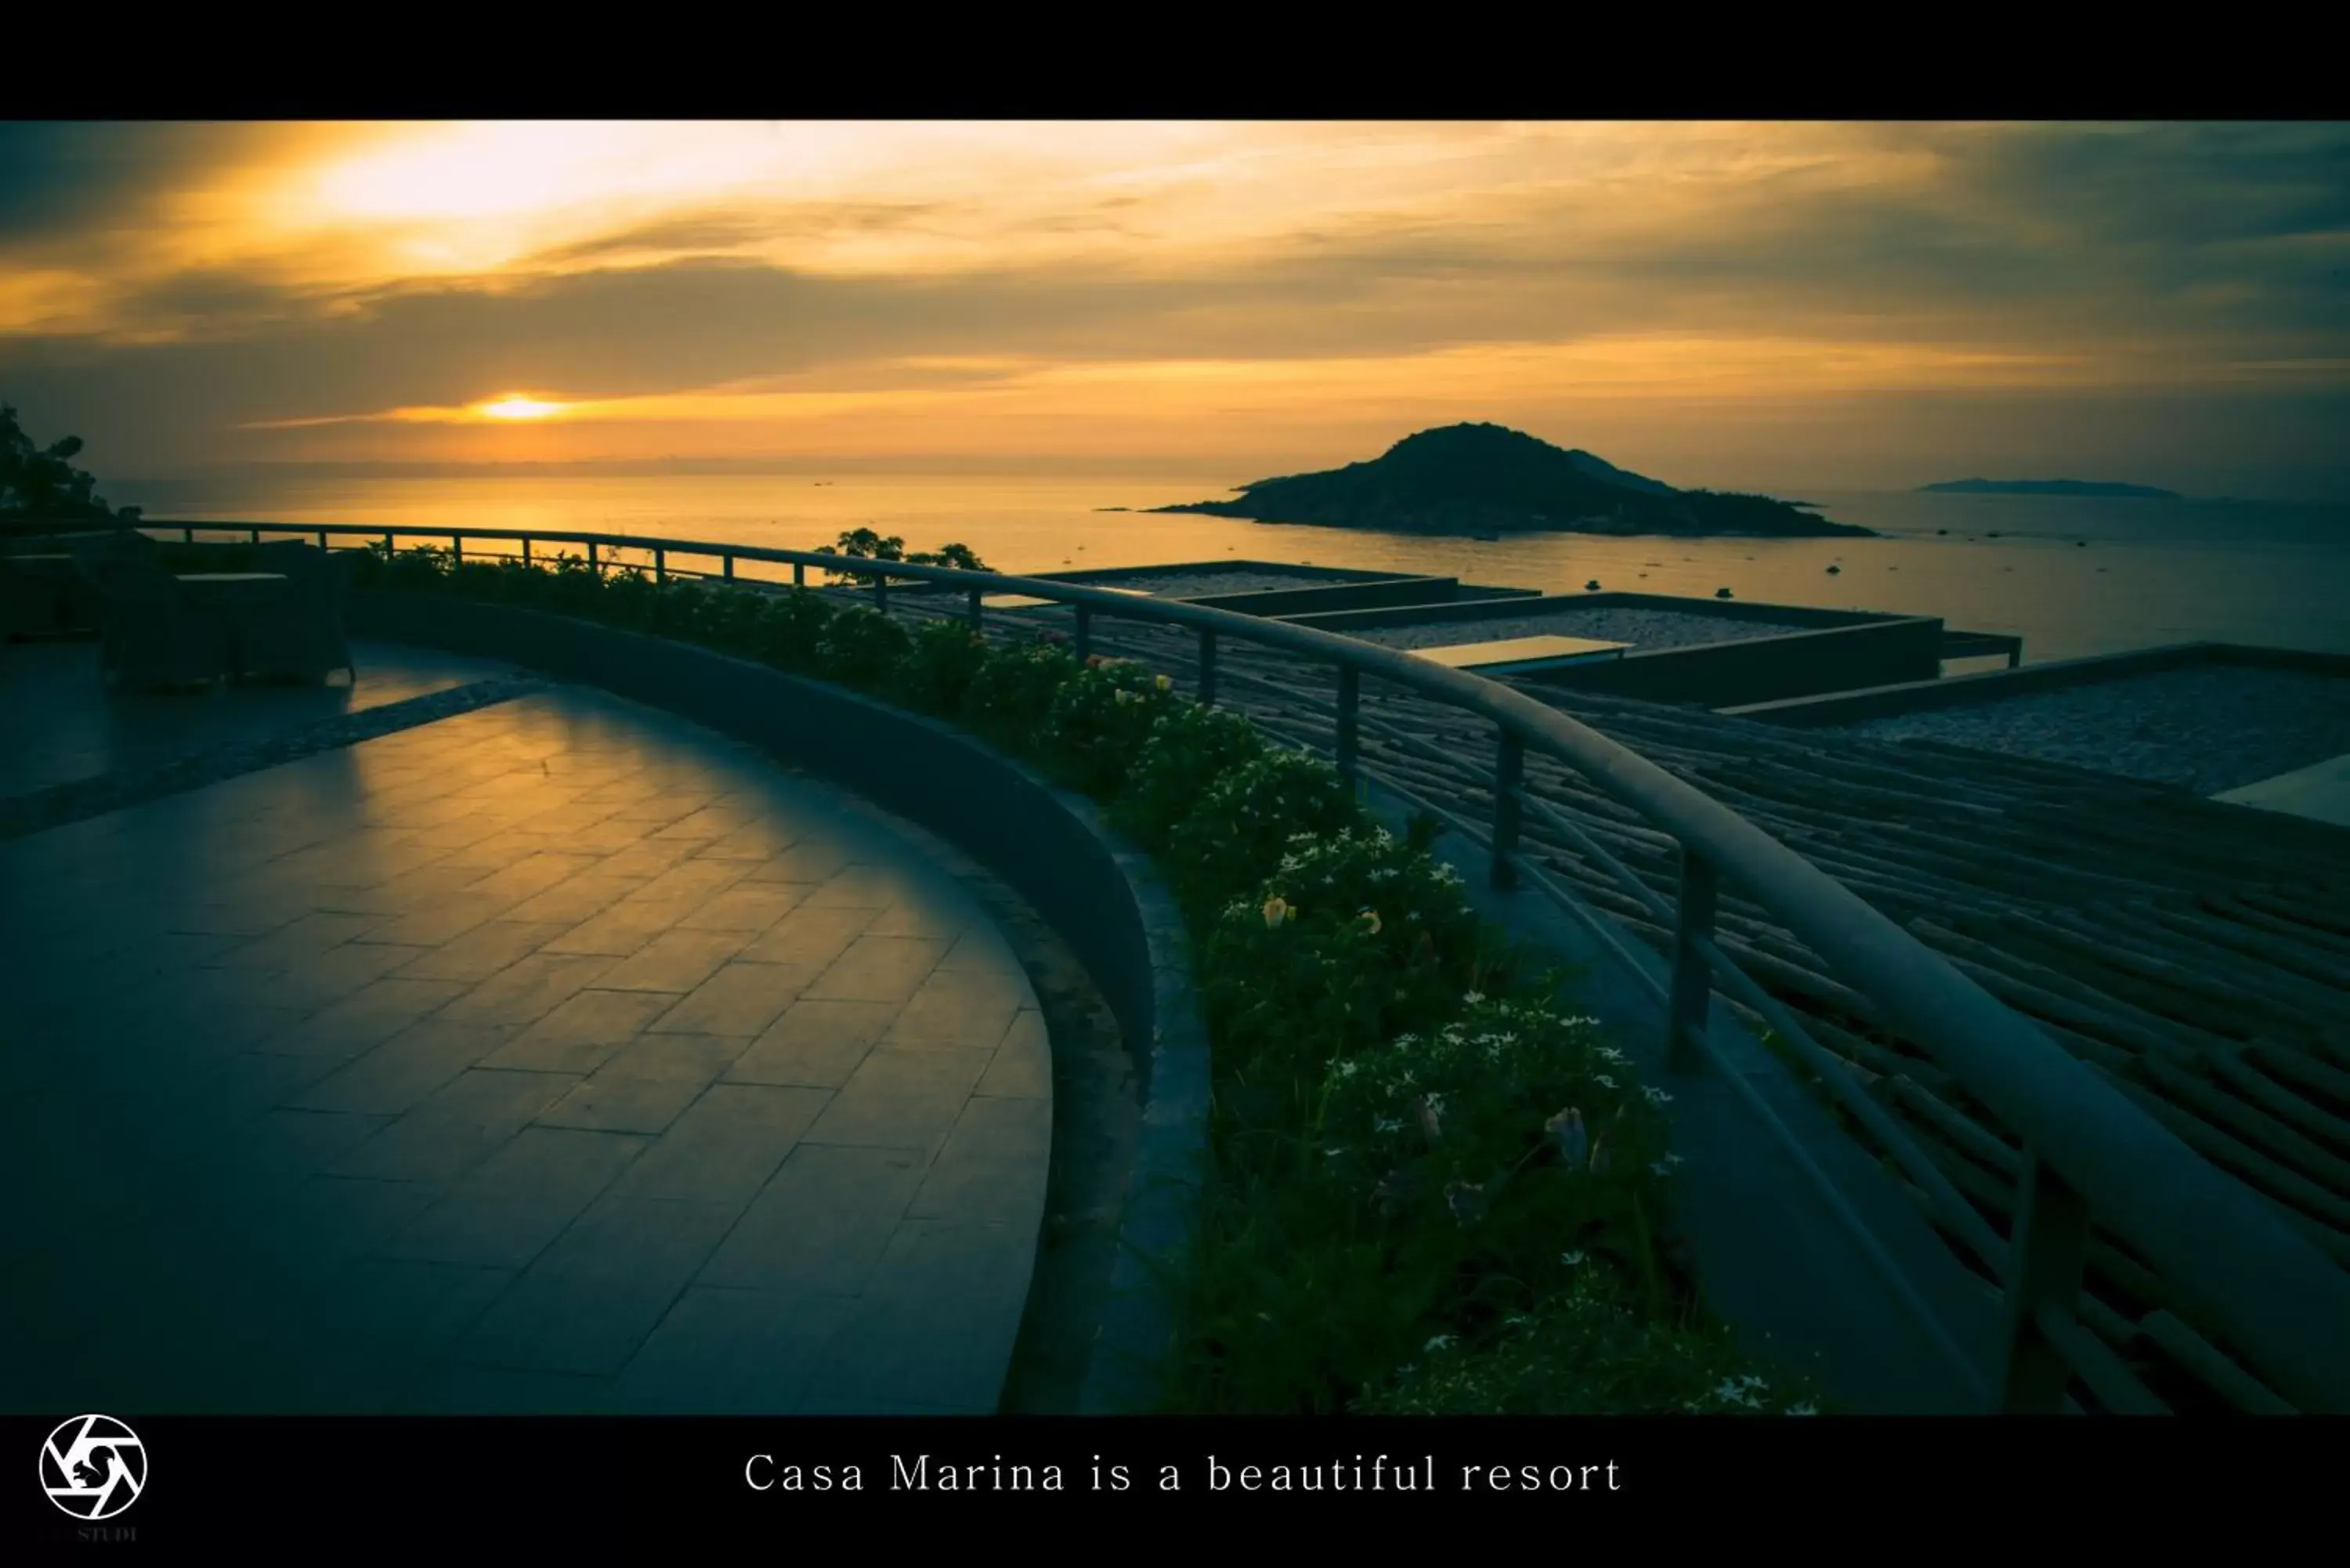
2048 487
1486 479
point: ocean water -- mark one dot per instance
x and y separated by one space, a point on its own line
2071 575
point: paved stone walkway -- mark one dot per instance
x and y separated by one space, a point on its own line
555 1056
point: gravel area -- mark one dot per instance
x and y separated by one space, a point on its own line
1200 585
1643 629
2210 729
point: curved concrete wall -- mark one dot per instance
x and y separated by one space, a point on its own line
1099 893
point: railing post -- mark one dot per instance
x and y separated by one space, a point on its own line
1083 642
800 573
188 535
1350 712
1692 993
388 543
322 538
660 567
1207 667
971 612
525 549
256 536
881 592
456 549
2051 1240
595 563
726 566
1509 773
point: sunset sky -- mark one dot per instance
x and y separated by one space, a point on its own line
1736 305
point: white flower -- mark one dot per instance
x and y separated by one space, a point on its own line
1806 1409
1604 1081
1610 1053
1730 1393
1473 998
1347 1068
1656 1096
1386 1125
1442 1342
1572 1260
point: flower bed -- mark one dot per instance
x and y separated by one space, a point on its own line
1431 1188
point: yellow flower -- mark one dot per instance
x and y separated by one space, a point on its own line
1165 684
1370 918
1277 910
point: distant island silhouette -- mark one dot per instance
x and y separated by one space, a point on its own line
2049 487
1488 480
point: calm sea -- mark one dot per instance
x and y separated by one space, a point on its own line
2073 577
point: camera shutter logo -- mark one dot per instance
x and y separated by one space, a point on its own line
93 1467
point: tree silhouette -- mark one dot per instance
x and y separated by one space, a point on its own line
42 482
866 545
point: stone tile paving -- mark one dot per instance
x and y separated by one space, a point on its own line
555 1056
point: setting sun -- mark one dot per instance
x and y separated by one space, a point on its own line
517 407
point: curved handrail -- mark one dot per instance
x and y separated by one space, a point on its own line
2216 1242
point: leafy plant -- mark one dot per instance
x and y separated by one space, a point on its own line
1190 747
1100 718
946 658
1013 692
1245 821
866 545
861 648
41 481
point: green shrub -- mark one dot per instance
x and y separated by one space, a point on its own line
862 647
729 619
627 599
1244 823
789 631
572 587
1587 1352
422 568
946 656
1356 939
678 609
1098 721
1013 692
1516 1128
1189 748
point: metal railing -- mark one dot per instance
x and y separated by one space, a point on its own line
2230 1258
